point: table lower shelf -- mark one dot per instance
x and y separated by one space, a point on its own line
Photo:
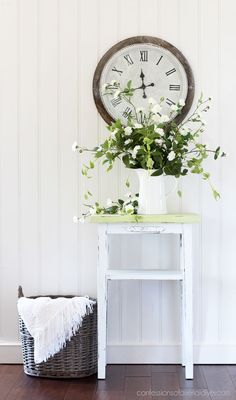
153 274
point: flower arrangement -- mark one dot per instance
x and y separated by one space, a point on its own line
153 141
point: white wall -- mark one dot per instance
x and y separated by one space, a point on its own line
48 53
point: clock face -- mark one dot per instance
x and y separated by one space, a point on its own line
156 69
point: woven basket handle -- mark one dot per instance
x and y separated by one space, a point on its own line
20 292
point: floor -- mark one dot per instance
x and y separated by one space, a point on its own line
124 382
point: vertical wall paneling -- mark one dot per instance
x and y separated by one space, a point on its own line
226 271
211 215
67 132
49 51
27 39
49 143
190 35
88 42
10 184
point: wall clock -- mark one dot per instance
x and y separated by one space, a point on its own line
156 69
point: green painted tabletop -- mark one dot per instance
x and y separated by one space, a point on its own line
159 218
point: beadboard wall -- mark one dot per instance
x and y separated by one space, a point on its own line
49 50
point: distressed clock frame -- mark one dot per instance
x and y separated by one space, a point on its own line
136 40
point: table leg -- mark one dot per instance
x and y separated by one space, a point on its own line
182 296
102 299
183 323
188 300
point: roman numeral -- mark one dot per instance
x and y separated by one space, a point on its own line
159 60
143 55
115 102
174 87
171 71
169 102
117 70
128 59
127 112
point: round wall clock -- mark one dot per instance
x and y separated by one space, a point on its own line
155 67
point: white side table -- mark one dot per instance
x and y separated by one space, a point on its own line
180 224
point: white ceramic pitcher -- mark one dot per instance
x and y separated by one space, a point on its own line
152 194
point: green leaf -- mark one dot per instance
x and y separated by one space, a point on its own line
206 175
217 152
121 202
158 172
109 168
127 184
216 194
179 193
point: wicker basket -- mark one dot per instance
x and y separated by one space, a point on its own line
77 359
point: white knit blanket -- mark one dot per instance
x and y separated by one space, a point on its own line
52 322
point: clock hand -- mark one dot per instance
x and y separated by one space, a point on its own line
150 84
143 87
142 76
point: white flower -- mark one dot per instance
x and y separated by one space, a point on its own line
138 126
75 219
135 151
203 121
81 220
93 210
114 82
156 108
164 118
171 155
128 130
128 141
116 94
159 142
129 209
184 131
75 146
181 102
151 101
128 194
140 109
160 131
109 202
156 118
174 107
113 134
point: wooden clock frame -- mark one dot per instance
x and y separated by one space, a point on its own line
136 40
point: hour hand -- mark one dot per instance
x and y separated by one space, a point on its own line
142 76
